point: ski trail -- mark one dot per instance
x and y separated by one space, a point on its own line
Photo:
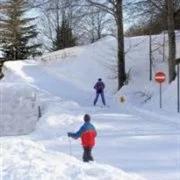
39 78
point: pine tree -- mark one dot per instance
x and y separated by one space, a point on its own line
17 30
64 36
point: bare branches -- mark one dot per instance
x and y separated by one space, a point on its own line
37 4
156 5
103 6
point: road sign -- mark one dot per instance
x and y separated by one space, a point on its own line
160 77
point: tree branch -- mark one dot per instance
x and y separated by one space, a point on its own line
102 6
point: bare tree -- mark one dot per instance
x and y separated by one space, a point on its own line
57 24
165 13
93 24
115 8
172 40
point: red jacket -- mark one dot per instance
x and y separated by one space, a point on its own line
87 132
88 138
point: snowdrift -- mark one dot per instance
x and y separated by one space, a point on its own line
26 160
19 109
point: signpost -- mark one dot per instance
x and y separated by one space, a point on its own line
160 77
178 84
178 89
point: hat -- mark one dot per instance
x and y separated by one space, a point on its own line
87 118
99 79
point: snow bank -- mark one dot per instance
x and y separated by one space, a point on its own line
26 160
87 64
19 109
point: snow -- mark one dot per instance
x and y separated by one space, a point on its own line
1 54
31 161
19 109
136 139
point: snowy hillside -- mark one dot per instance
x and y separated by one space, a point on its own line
135 136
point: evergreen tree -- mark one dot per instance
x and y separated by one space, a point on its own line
64 36
17 31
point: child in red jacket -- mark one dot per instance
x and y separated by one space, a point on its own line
87 132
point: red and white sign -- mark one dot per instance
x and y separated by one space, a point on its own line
160 77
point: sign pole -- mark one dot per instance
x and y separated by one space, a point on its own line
160 95
178 89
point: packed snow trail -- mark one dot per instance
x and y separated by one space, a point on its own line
41 79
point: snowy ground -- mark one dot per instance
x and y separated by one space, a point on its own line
135 138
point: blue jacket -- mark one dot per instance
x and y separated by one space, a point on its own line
87 126
99 86
87 132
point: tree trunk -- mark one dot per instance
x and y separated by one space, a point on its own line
150 57
172 41
150 50
120 41
164 45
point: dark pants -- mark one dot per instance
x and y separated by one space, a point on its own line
87 154
102 97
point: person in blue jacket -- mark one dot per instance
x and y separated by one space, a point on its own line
87 133
99 87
